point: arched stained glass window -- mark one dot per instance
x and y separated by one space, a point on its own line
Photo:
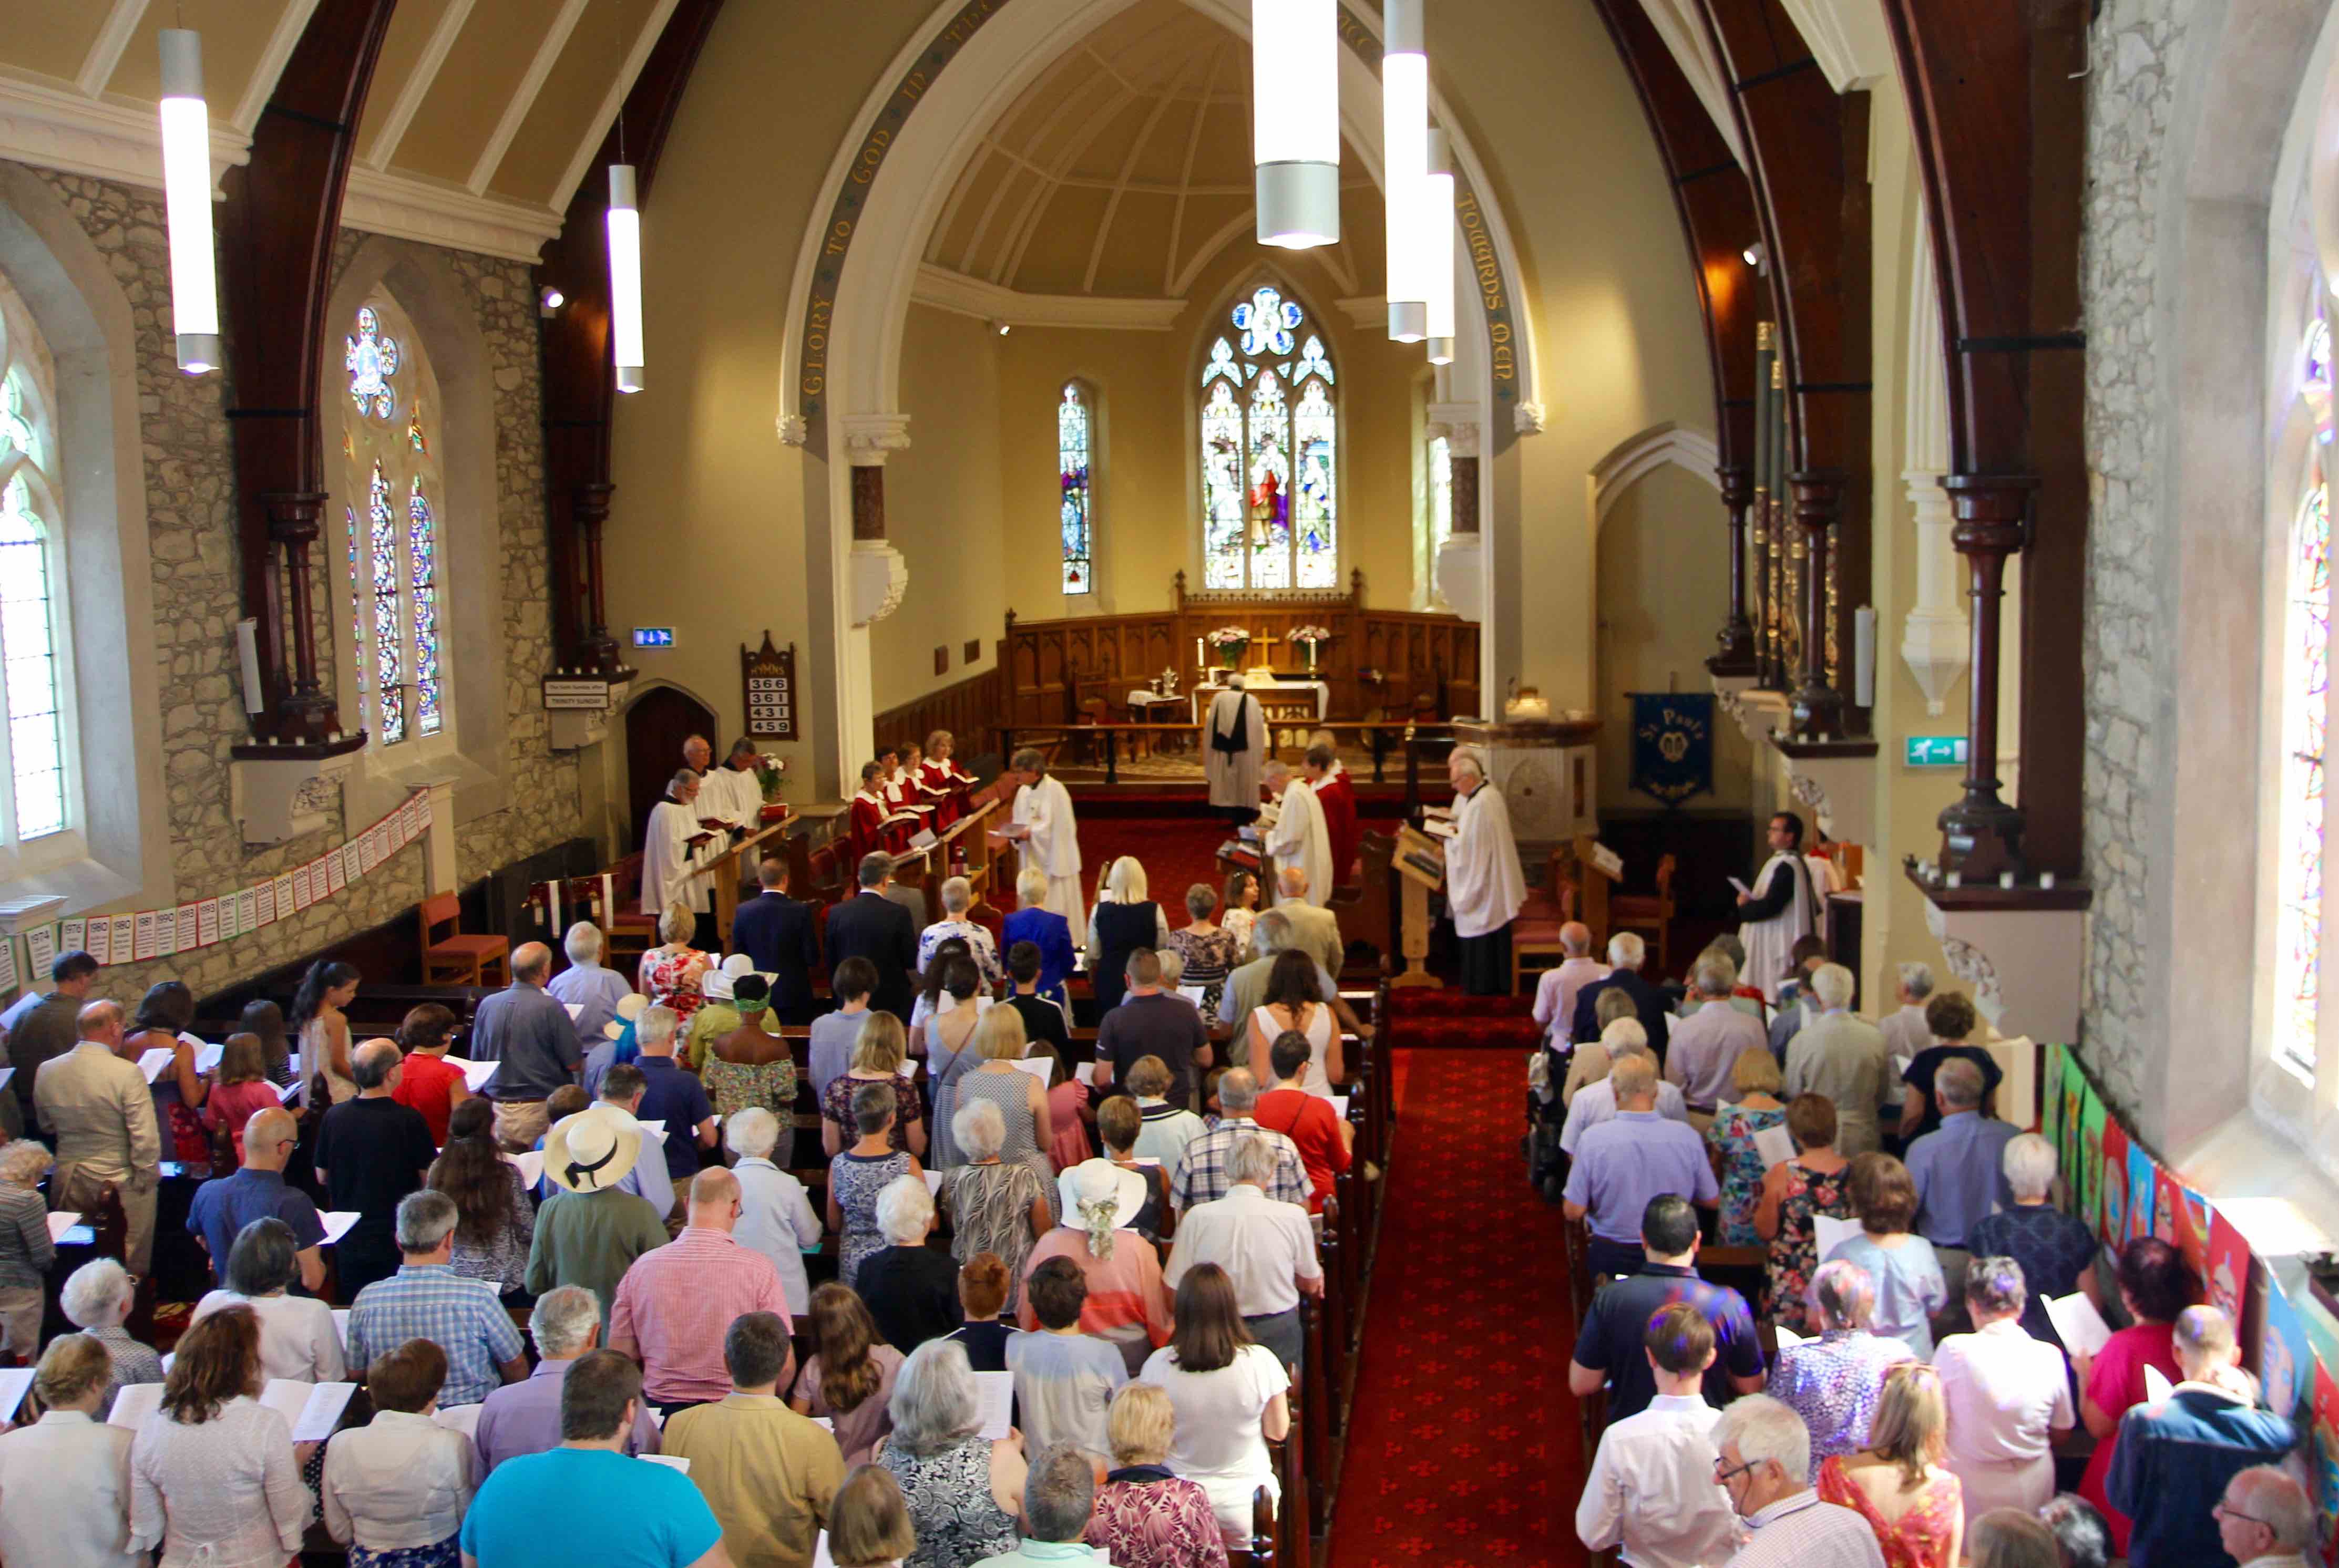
1072 446
33 640
391 470
1270 452
2306 657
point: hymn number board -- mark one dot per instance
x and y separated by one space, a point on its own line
770 675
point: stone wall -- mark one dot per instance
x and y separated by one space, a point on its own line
2130 95
196 570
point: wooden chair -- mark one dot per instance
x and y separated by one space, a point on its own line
459 958
1639 912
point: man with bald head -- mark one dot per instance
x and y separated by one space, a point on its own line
525 1028
1315 928
97 1106
1555 992
371 1151
224 1204
676 1302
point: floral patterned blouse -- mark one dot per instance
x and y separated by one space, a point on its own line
662 981
1742 1166
1209 956
1921 1537
1795 1250
836 1106
1833 1382
1146 1518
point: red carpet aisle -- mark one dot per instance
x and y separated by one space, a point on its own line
1177 852
1464 1447
1450 1019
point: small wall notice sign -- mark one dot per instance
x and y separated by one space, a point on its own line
770 678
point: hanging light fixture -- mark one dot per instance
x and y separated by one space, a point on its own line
1405 133
625 278
1434 238
187 197
1295 71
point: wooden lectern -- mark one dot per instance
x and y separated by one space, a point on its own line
1596 867
725 869
1420 864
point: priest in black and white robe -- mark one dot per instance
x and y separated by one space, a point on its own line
1781 908
1483 885
674 848
1234 746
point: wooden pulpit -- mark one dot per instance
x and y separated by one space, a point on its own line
1597 867
1419 862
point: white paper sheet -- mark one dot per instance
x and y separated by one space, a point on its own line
5 1074
207 1053
1776 1145
60 1222
463 1418
314 1409
474 1074
532 1165
1194 993
1832 1233
15 1382
2157 1386
341 1327
1039 1067
1739 888
2077 1324
1787 1336
151 1063
933 1183
672 1462
1339 1105
575 1010
337 1223
285 1095
133 1403
1085 1072
994 1398
653 1130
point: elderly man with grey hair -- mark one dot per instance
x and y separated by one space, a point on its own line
958 898
1315 928
675 842
96 1299
586 985
1485 887
371 1151
524 1417
1956 1169
1904 1027
1763 1468
1843 1056
1059 1498
1296 835
1557 988
1596 1103
1205 1169
1705 1047
427 1299
525 1030
1626 952
100 1112
2265 1519
1267 1249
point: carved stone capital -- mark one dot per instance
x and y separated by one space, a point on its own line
878 576
1838 781
871 438
1527 418
1460 575
792 430
1458 423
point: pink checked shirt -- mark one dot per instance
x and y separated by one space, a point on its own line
677 1301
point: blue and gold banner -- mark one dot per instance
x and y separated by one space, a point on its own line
1673 744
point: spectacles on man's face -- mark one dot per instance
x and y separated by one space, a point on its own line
2224 1510
1724 1471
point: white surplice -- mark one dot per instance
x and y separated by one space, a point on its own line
1300 838
670 873
730 794
1483 885
1770 943
1054 846
1234 775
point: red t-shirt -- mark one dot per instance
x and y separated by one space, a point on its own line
1309 1121
2115 1383
426 1088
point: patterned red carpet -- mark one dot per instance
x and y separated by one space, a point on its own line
1177 852
1464 1446
1449 1019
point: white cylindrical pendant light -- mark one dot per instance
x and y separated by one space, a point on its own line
187 197
1294 66
1434 238
625 278
1405 161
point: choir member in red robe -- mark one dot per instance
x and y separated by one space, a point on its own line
875 825
1337 797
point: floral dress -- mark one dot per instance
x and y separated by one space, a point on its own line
950 1506
1795 1250
738 1086
836 1106
502 1263
1743 1167
1921 1537
666 982
1209 956
989 1208
855 1181
1148 1518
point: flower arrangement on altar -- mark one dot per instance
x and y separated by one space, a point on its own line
1229 637
1308 639
770 772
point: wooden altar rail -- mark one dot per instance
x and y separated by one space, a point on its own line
1385 738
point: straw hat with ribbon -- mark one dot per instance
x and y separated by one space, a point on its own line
592 1150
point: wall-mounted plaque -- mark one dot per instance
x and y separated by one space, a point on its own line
770 675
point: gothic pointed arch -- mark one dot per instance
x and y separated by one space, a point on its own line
1265 392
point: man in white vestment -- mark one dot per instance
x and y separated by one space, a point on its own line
673 847
1043 823
730 794
1782 907
1299 836
1483 885
1234 745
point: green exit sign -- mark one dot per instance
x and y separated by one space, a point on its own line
1937 751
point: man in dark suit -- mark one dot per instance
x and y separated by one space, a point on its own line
775 930
872 926
1626 953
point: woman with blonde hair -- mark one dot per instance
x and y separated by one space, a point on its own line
1020 1099
869 1522
878 1055
672 972
65 1493
1124 919
1045 929
1730 1140
1899 1483
849 1376
27 1253
1145 1516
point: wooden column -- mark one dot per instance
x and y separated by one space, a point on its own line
277 229
1465 488
591 500
1735 654
1983 832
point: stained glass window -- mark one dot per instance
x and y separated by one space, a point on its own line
1270 452
35 647
1072 470
2307 669
391 450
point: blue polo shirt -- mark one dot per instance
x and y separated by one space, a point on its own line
1960 1176
580 1505
1624 1162
224 1204
1611 1339
678 1098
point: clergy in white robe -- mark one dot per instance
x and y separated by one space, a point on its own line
1483 885
670 861
1298 835
1234 746
730 794
1043 823
1781 908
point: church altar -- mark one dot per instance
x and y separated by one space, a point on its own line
1280 696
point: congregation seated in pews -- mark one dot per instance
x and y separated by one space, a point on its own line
1032 1285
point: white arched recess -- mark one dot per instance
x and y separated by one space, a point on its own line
898 206
116 728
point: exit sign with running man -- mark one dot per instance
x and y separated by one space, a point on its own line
1937 751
